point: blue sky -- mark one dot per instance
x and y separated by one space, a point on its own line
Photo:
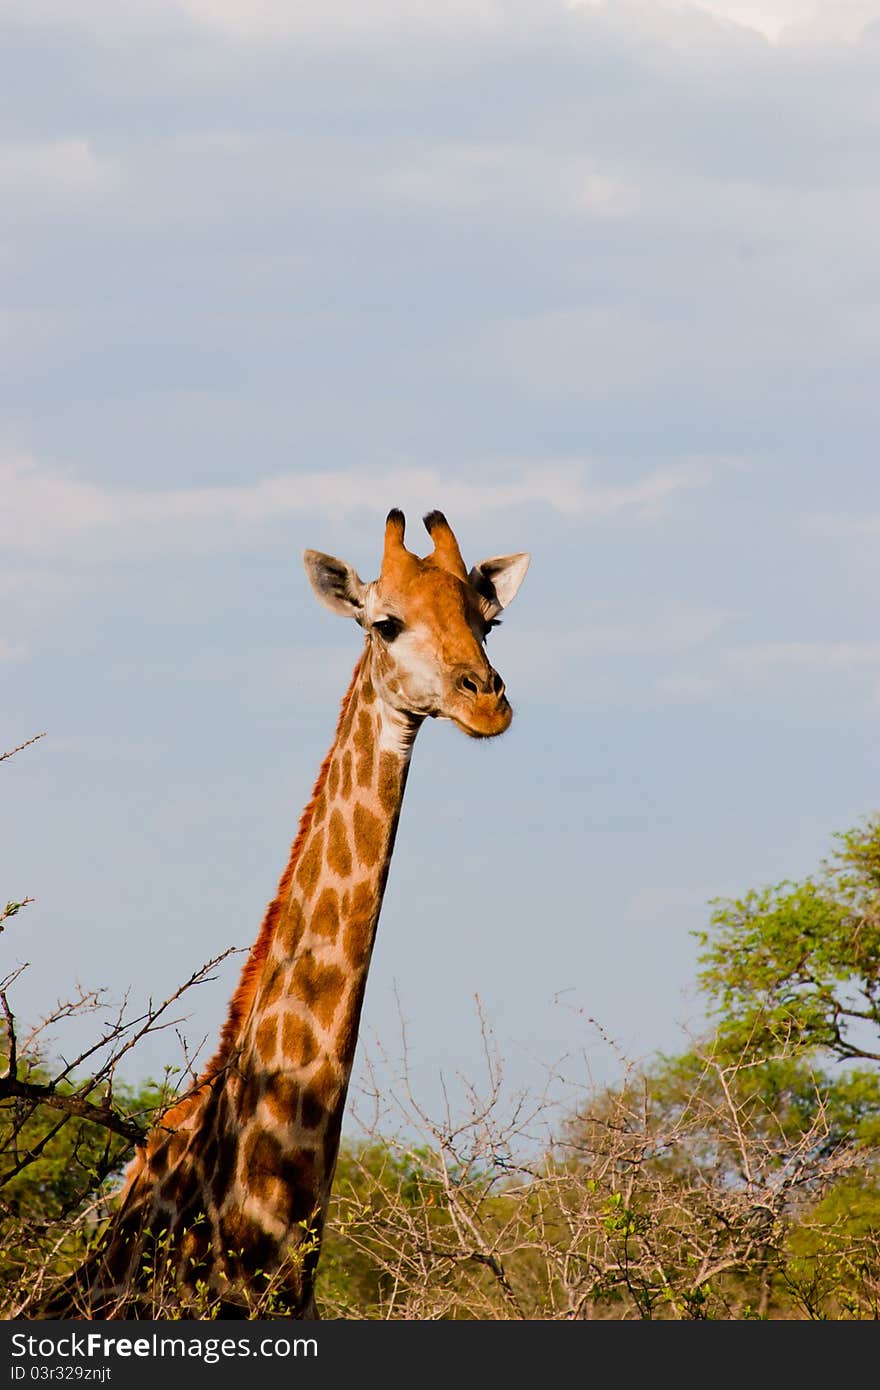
600 282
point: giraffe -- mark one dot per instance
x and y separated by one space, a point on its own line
234 1180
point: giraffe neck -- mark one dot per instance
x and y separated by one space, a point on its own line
254 1148
298 1042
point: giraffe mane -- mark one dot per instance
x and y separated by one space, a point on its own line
241 1001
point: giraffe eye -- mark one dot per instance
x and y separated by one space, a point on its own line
388 628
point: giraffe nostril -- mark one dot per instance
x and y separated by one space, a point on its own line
469 685
497 684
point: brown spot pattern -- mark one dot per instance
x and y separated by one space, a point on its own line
209 1156
319 1097
331 1139
319 986
176 1145
365 768
347 1028
360 924
159 1160
298 1200
252 1088
388 782
346 774
338 853
267 1038
291 929
368 838
345 722
262 1152
224 1169
363 737
325 918
194 1248
309 866
272 992
240 1235
282 1093
263 1157
298 1044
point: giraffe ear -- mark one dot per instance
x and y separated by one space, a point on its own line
336 584
497 580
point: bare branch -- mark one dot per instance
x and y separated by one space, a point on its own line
27 743
11 1043
103 1114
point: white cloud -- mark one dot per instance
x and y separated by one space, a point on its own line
506 175
777 20
98 16
47 510
264 22
758 210
785 19
53 170
267 22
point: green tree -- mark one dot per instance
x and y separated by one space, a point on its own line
798 965
56 1166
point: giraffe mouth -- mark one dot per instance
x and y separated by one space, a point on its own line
488 725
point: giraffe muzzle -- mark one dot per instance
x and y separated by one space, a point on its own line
482 706
474 684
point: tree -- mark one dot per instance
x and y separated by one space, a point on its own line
738 1180
56 1168
799 963
68 1127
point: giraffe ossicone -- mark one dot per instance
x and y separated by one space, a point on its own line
232 1183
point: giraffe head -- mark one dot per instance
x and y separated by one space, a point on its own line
426 622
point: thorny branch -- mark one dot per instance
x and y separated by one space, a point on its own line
11 752
122 1035
648 1205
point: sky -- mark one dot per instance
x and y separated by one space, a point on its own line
597 280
